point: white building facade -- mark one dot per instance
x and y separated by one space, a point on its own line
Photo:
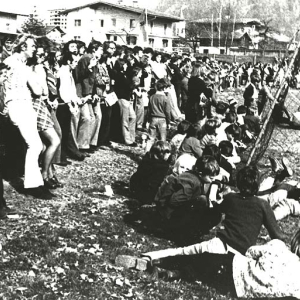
126 25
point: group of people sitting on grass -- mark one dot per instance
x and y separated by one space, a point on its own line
196 181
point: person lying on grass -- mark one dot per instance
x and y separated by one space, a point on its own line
244 215
270 270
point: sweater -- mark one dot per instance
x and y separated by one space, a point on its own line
244 217
160 107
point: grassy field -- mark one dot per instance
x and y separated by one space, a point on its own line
65 248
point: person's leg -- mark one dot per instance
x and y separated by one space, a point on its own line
57 154
72 145
96 110
22 115
139 111
85 126
132 123
52 143
162 129
104 133
287 207
64 118
125 112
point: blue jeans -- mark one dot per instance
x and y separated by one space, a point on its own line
158 127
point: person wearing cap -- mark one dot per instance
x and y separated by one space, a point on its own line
21 113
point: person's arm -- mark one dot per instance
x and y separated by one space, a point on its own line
270 222
196 148
167 110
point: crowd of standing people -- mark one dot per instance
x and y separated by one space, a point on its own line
64 103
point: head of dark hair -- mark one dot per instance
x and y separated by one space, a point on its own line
66 46
241 110
248 180
103 58
212 150
234 130
183 127
67 57
231 117
193 131
161 85
226 148
210 126
165 57
137 49
221 108
159 149
93 46
148 50
207 166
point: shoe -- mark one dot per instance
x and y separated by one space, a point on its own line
286 167
164 274
9 211
56 181
134 144
78 157
3 214
39 192
50 184
64 163
275 164
84 151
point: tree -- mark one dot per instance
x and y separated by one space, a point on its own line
34 26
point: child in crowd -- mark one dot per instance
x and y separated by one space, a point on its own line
159 112
209 138
251 95
244 216
181 202
153 168
233 133
191 144
182 129
230 118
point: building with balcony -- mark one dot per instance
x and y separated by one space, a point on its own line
55 18
125 25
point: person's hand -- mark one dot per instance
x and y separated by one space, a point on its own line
73 108
93 63
169 126
96 98
53 104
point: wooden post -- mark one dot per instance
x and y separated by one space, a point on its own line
263 129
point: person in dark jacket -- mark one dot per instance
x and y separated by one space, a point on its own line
123 90
176 77
153 168
197 90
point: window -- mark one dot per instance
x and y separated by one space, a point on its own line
151 26
114 22
77 23
115 38
101 23
131 40
165 29
222 51
132 23
151 42
165 43
205 51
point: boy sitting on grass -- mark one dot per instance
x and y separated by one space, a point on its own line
244 213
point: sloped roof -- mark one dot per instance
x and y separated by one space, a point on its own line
237 35
137 10
50 28
12 12
245 21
